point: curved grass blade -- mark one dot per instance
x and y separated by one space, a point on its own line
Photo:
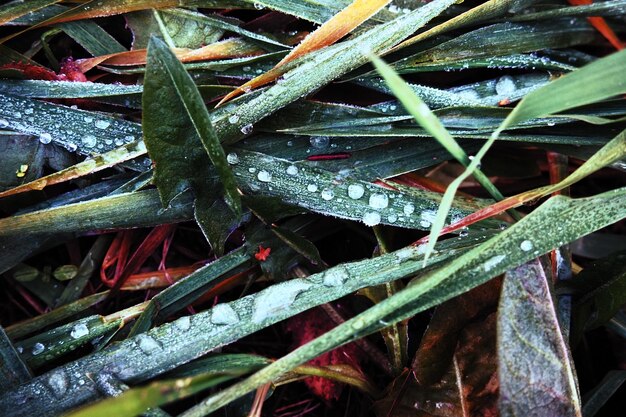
427 119
594 82
176 78
471 269
532 353
92 37
330 32
613 151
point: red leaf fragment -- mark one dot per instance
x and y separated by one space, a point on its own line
262 254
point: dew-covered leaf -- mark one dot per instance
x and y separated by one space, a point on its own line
14 9
547 224
175 130
532 352
92 37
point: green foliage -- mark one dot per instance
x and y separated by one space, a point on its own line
307 192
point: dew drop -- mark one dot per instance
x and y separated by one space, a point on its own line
233 119
277 298
246 69
327 194
371 218
526 245
379 201
392 218
4 123
505 86
37 348
247 129
102 124
252 170
311 188
147 344
232 158
292 170
224 314
463 232
319 142
79 330
264 176
88 119
355 191
58 383
89 141
45 138
408 209
335 277
493 262
17 114
183 323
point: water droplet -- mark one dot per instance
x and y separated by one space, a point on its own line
264 176
392 218
371 218
247 129
408 209
183 323
224 314
45 138
89 141
290 143
246 69
336 276
292 170
312 188
37 348
102 124
17 114
259 6
29 110
327 194
505 86
463 232
58 383
277 298
20 349
147 344
526 245
319 142
3 123
252 170
355 191
233 119
493 262
232 158
79 330
379 201
88 119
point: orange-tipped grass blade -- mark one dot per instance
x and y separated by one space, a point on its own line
330 32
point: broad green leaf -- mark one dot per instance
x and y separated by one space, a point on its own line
556 222
172 104
532 353
14 9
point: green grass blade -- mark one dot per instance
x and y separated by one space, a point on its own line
548 225
15 9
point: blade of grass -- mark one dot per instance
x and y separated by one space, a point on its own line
15 9
330 32
473 268
594 82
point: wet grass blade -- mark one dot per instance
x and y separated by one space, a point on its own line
13 10
160 57
547 224
330 32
